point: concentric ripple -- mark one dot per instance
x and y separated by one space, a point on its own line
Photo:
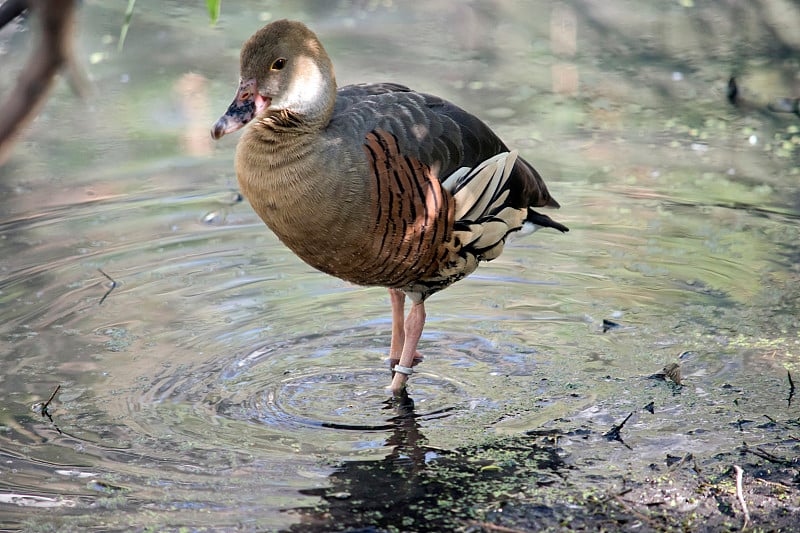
276 388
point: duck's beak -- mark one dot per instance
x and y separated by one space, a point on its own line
245 106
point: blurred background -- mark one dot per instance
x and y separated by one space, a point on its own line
218 379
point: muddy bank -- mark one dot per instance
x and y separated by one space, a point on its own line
533 483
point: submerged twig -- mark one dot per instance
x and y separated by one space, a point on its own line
774 483
771 457
674 462
641 516
50 399
614 432
740 496
111 288
42 408
791 388
488 526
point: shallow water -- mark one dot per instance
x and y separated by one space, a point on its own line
219 382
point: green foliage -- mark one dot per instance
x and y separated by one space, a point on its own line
213 13
213 9
123 32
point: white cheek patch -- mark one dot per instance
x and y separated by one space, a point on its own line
306 87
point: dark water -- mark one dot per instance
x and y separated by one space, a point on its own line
221 383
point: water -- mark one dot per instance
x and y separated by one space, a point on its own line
219 382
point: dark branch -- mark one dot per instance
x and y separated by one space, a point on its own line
11 9
28 96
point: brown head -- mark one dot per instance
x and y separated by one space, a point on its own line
283 67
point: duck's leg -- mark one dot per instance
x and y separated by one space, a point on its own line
398 299
398 335
412 331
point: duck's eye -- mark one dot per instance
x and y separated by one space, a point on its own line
278 64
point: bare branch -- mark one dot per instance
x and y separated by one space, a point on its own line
11 9
26 99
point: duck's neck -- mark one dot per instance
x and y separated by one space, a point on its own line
278 156
274 159
289 178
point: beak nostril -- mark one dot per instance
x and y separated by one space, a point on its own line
244 96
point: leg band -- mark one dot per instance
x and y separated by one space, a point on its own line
403 370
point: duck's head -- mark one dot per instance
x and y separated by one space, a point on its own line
283 67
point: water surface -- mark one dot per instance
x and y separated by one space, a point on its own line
220 382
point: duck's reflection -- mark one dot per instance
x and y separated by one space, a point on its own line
406 439
369 492
420 488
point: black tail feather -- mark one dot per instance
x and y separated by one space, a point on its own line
544 221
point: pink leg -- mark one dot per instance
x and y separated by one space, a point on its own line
412 331
398 336
398 299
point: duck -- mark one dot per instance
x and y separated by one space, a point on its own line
374 183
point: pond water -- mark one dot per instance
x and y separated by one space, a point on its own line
220 383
